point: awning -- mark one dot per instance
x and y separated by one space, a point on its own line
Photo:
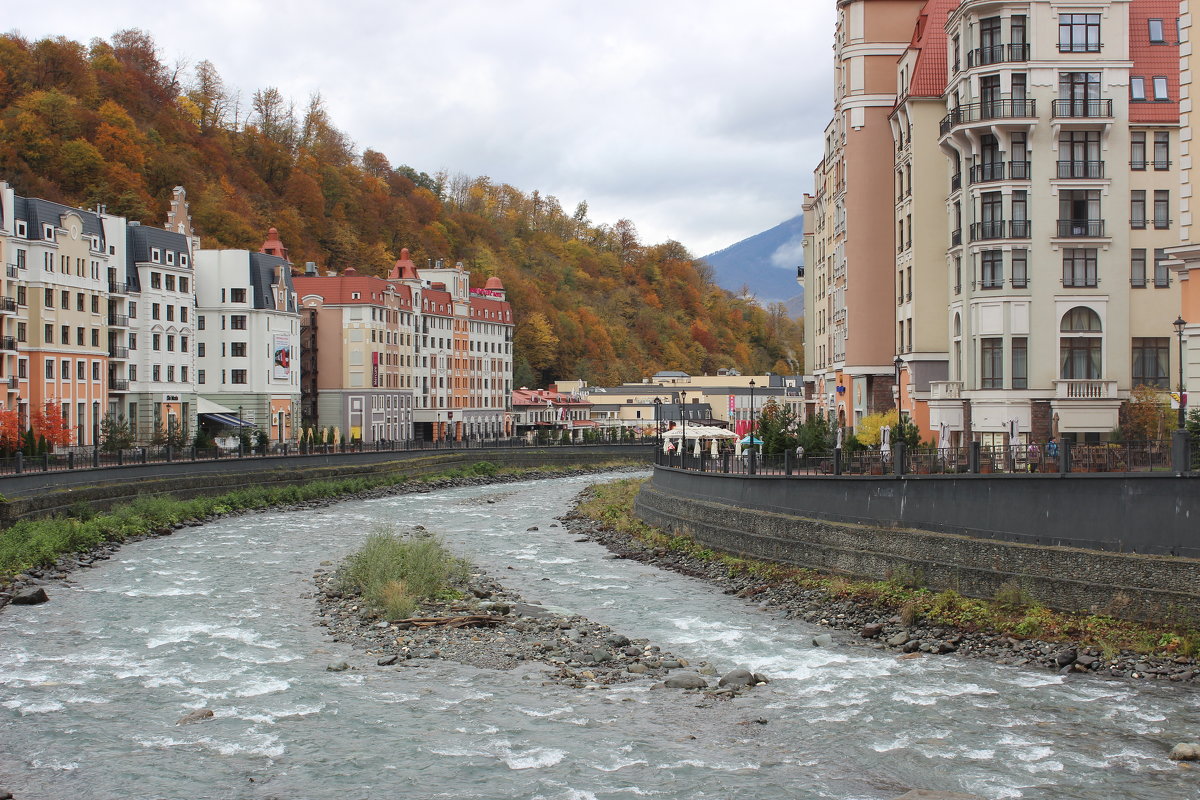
228 420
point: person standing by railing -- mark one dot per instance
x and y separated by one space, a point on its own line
1035 455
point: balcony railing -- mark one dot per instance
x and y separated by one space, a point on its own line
1018 170
1085 390
956 181
8 305
1081 169
1086 108
116 351
117 288
945 390
997 54
992 171
8 343
118 385
1019 229
956 237
118 320
994 229
11 270
988 110
1081 227
14 382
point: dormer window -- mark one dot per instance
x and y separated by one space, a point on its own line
22 230
183 260
156 255
171 257
48 233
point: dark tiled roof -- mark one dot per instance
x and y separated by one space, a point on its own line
141 238
39 212
262 278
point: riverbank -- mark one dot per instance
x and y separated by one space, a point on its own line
898 614
36 554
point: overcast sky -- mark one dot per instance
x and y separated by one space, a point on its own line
699 120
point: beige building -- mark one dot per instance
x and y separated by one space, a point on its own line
851 261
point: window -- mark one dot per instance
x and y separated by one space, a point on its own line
170 344
991 363
183 313
22 331
1020 269
80 335
155 255
1151 359
1020 362
1160 88
95 370
49 334
48 301
81 370
1137 88
66 300
237 322
156 341
170 313
1162 209
200 349
133 341
22 368
170 281
200 322
199 376
183 259
1079 353
79 302
183 282
132 310
1137 208
237 376
22 299
95 304
66 335
49 369
1079 267
1137 150
133 372
1079 33
1137 267
155 311
991 274
1162 275
1162 149
170 258
170 373
237 295
156 373
1156 31
183 344
95 337
155 280
237 349
183 373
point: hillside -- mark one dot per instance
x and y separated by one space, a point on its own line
109 123
765 263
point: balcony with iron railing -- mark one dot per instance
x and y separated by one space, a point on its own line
1097 108
1093 170
117 288
118 385
8 343
14 383
118 352
1081 228
988 171
956 237
118 320
1019 229
11 270
8 305
988 111
956 181
992 229
997 54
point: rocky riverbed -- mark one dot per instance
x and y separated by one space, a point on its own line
863 626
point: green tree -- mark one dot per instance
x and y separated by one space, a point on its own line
115 433
776 427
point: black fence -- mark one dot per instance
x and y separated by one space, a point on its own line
1148 456
78 458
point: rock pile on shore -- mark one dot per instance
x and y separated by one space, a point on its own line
860 625
579 652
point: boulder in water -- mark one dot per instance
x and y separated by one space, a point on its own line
685 680
30 597
735 679
823 640
199 715
1185 751
337 666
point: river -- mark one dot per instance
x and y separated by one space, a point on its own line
93 682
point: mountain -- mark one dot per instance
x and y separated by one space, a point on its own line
110 123
766 262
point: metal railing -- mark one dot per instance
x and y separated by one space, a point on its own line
116 351
1081 169
986 111
8 305
118 320
1081 227
8 343
997 54
1082 108
115 287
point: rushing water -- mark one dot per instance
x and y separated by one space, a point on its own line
92 684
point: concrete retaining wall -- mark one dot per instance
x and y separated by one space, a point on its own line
1132 586
45 494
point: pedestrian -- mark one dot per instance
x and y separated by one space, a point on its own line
799 454
1052 449
1034 456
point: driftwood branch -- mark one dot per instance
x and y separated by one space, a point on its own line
468 621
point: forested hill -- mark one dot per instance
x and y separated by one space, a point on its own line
111 123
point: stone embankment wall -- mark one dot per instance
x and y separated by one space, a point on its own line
743 516
45 494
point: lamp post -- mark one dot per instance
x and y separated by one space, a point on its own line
753 428
1179 326
898 362
657 427
683 431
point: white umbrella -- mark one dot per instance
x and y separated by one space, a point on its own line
841 433
885 439
696 451
713 450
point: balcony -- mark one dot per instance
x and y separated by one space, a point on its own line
983 173
1081 228
117 288
997 54
118 385
1082 109
1085 390
1018 170
118 352
8 343
956 237
988 111
8 305
118 320
995 229
1093 170
1019 229
11 270
14 382
956 181
945 390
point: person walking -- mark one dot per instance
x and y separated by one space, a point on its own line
1035 455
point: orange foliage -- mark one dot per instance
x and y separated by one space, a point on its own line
10 430
48 421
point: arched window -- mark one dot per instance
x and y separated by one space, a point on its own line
1080 343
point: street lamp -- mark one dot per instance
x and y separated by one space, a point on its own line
898 362
683 432
657 426
753 427
1179 326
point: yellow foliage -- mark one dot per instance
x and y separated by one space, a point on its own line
867 430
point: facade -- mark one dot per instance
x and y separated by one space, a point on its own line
357 355
850 261
248 336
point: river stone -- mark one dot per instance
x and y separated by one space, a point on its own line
760 678
387 661
737 678
685 680
30 597
600 656
925 794
198 715
871 630
636 669
823 640
1065 657
897 639
1185 751
338 666
617 640
531 611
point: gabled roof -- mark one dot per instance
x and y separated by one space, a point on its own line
929 40
38 212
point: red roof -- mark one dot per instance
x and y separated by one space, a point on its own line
539 397
492 310
929 39
1154 60
340 289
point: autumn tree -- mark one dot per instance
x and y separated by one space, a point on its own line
10 431
48 422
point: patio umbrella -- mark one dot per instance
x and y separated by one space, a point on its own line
696 450
885 439
750 440
713 449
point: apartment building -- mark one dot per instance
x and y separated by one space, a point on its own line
357 350
248 337
850 260
1185 256
1060 128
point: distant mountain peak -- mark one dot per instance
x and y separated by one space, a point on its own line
766 262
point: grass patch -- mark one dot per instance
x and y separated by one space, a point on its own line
1013 612
394 574
40 542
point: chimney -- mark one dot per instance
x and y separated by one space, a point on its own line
310 268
